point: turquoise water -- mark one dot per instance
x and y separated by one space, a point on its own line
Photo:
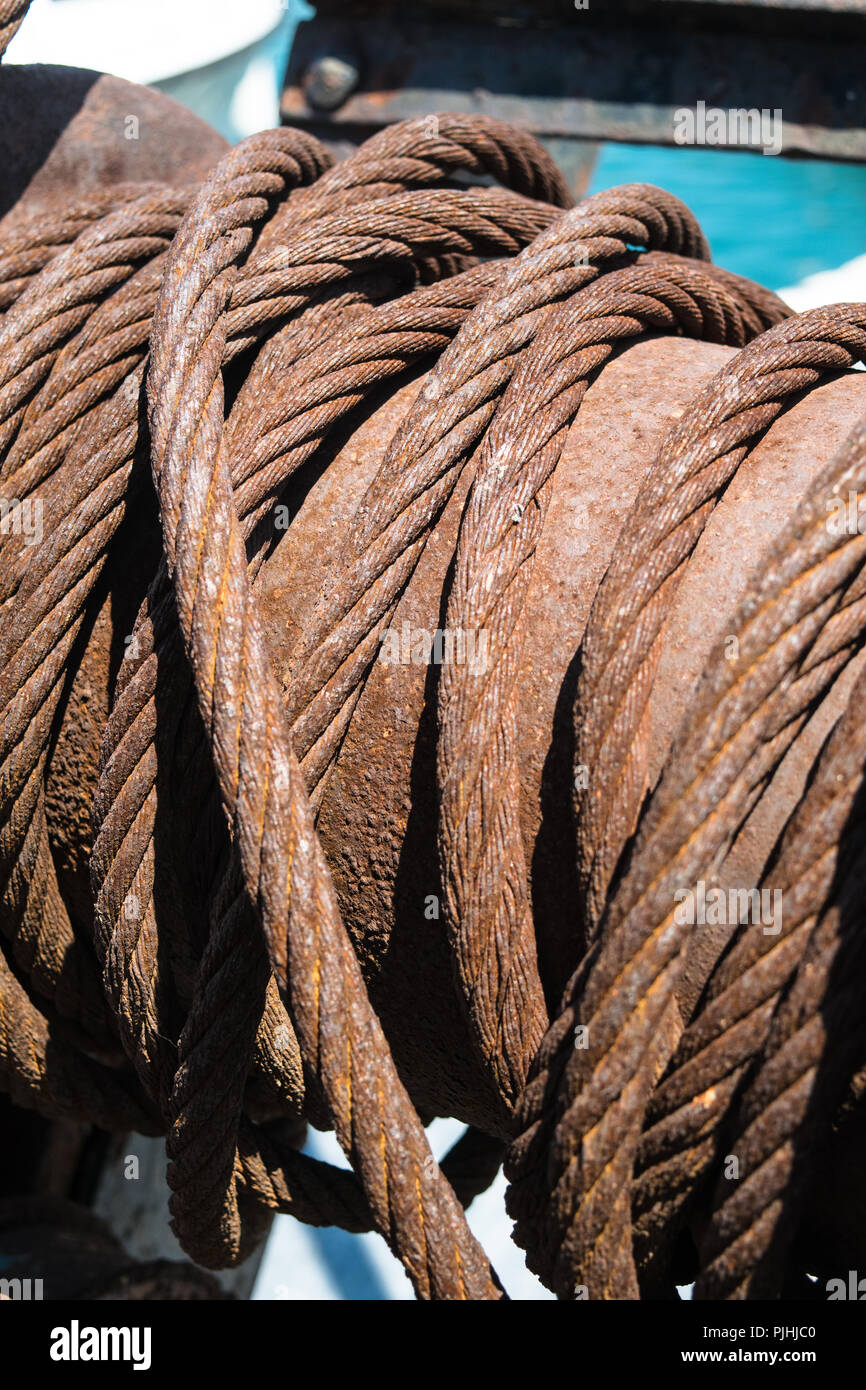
775 220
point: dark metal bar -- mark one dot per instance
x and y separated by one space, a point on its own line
619 72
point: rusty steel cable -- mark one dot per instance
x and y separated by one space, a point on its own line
182 355
582 1114
481 846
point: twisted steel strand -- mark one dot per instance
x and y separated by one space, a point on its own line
361 273
428 317
815 1039
582 1114
690 1109
427 455
304 417
263 794
480 840
621 645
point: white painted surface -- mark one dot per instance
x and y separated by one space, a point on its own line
223 59
142 40
844 285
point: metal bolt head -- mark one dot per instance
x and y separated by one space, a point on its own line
328 81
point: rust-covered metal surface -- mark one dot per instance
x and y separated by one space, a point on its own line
264 865
378 818
67 132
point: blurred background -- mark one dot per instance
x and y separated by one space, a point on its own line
796 225
223 60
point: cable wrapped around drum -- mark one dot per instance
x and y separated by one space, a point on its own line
307 287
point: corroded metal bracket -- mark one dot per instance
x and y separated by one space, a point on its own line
615 70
